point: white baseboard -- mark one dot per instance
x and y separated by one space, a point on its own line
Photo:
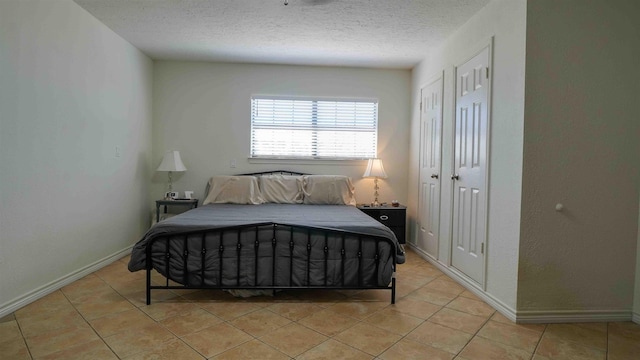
572 316
17 303
545 316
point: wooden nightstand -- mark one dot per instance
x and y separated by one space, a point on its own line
191 203
393 217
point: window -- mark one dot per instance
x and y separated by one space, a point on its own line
313 128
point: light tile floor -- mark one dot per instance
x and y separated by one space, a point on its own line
103 316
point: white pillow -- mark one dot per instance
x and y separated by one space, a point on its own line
328 190
281 189
233 190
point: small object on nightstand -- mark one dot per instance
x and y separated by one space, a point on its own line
172 195
395 203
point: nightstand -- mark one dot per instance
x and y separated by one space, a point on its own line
191 203
393 217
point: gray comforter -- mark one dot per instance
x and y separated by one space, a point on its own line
335 217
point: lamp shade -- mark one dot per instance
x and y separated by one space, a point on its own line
171 162
375 169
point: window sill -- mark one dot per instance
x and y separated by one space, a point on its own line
347 162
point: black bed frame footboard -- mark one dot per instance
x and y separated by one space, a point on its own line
178 249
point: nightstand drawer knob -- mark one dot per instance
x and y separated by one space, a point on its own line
384 217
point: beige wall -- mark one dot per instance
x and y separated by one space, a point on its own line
581 149
203 110
71 92
505 21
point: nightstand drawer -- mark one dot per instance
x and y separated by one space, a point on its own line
389 217
393 217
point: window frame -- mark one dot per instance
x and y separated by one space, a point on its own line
313 120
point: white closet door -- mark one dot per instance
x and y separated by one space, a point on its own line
470 166
430 161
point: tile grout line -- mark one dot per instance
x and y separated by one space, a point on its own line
423 321
180 338
429 317
24 338
253 337
607 347
332 337
535 350
177 337
87 321
475 334
135 307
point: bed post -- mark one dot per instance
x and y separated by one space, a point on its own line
393 285
148 270
148 287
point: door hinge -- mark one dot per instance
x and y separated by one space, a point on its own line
482 248
487 72
420 105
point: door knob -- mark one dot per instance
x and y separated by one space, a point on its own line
455 177
434 176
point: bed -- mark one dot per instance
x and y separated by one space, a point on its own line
248 236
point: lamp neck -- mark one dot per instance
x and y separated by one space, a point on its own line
376 188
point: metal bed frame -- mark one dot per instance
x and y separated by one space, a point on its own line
216 272
277 239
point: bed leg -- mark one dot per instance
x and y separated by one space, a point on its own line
393 289
148 287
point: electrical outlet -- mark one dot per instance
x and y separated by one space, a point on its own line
118 151
232 163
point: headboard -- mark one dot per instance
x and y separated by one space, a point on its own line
274 172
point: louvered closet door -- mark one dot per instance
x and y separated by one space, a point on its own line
430 155
470 166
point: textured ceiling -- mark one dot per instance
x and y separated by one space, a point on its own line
364 33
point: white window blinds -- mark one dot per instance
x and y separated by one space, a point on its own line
313 128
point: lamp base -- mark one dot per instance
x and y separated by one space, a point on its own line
375 202
168 194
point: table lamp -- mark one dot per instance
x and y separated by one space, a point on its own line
375 170
171 162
